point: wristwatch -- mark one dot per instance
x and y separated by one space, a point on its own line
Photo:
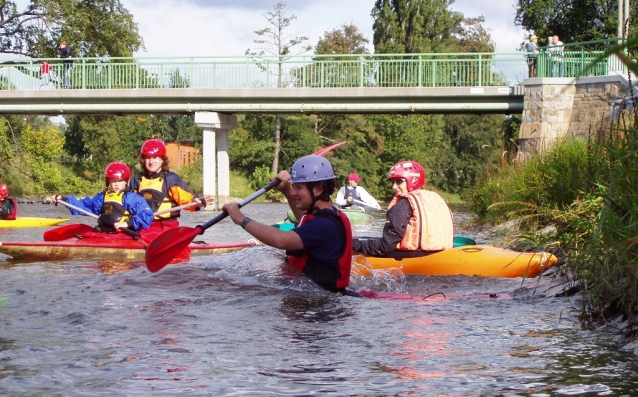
244 222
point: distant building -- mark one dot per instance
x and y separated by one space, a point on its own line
184 155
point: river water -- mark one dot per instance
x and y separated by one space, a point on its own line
232 324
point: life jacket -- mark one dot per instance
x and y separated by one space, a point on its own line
431 227
14 213
351 192
113 210
156 194
333 277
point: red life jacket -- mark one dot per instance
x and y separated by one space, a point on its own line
12 215
333 277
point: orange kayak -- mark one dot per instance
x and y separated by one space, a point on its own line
469 260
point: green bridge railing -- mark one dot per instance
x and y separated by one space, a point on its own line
315 71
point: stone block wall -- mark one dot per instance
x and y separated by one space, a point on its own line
559 108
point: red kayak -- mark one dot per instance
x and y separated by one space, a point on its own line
62 244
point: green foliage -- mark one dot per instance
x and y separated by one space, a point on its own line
192 176
402 27
91 28
347 40
99 140
551 181
573 20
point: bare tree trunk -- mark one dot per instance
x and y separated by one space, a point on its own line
275 160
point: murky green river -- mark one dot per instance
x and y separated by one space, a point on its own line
232 324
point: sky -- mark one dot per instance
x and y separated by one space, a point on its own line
227 27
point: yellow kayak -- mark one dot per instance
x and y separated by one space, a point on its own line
27 221
469 260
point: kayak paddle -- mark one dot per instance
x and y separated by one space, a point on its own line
171 242
366 204
181 207
130 232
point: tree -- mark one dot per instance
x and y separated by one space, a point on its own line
406 27
573 20
276 42
471 36
92 28
347 40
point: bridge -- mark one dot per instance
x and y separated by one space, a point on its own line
215 88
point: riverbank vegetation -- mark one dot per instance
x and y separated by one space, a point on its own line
586 188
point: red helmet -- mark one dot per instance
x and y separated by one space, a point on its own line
117 170
4 191
153 148
411 171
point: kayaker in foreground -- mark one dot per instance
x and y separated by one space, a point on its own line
321 245
352 191
418 222
8 205
116 206
162 189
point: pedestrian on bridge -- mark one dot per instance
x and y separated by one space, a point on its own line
532 57
65 52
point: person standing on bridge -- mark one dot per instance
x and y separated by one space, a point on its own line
65 52
419 221
162 189
532 57
351 193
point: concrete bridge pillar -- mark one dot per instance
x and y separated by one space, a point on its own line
215 132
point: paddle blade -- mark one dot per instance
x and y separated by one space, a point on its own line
325 150
66 231
168 244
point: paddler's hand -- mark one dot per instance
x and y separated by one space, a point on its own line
201 202
284 177
120 225
233 211
55 199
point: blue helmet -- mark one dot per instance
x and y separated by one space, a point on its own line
311 169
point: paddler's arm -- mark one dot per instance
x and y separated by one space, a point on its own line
141 214
181 197
393 232
265 233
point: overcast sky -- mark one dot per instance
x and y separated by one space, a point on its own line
226 27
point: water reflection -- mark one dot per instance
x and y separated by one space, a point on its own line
314 308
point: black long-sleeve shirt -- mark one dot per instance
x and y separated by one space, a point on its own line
393 231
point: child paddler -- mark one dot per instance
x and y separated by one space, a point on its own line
116 206
321 245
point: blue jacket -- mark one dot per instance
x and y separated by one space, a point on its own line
141 215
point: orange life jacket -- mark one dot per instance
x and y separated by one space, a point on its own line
431 227
331 276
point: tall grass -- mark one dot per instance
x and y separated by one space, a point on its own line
587 189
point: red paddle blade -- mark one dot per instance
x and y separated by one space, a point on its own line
168 244
66 231
325 150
